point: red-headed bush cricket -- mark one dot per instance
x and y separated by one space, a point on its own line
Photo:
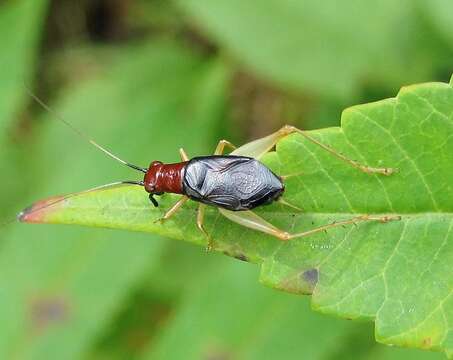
235 183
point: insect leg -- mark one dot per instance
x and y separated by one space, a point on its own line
365 168
286 203
259 147
251 220
289 176
200 218
221 146
170 212
183 155
354 220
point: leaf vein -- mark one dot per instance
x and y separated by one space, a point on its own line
406 155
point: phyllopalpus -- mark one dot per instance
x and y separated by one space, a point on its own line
235 183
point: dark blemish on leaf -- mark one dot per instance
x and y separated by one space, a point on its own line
427 342
216 353
24 212
238 256
217 356
47 311
311 276
241 257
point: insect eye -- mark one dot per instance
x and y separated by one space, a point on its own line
155 163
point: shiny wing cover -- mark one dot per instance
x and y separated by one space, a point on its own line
231 182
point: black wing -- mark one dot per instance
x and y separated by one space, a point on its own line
232 182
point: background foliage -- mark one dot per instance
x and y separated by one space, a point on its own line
144 78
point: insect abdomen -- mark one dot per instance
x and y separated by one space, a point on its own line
232 182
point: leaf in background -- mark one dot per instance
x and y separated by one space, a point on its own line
21 24
20 29
399 270
226 315
61 287
327 48
439 12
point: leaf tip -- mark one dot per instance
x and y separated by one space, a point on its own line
22 216
39 211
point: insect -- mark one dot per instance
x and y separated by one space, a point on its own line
235 183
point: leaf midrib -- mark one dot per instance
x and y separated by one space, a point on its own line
276 212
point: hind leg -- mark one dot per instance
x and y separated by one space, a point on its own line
259 147
221 147
252 221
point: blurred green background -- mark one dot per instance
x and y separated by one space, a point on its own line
144 78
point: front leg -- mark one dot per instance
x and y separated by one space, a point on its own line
183 155
200 220
170 212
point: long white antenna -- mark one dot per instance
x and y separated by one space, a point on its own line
22 216
82 134
31 210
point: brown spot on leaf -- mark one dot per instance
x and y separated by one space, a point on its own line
239 256
311 276
427 342
217 353
48 311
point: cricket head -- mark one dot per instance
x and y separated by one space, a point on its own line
153 179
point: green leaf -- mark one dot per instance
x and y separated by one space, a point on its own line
242 320
18 51
257 334
398 270
322 47
61 287
20 31
438 12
